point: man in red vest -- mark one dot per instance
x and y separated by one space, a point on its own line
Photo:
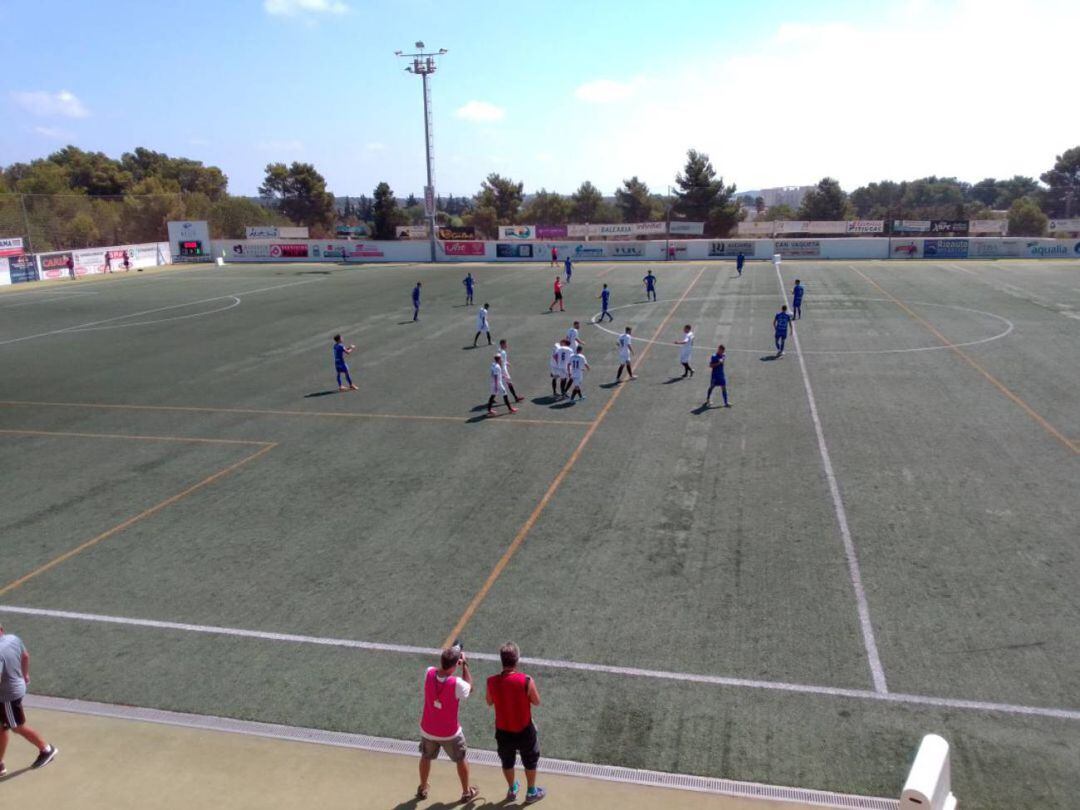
440 728
513 694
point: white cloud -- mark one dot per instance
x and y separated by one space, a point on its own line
900 97
53 133
41 102
293 8
607 91
198 142
374 146
286 145
480 112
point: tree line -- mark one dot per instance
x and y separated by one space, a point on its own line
74 198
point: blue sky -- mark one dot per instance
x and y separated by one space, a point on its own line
551 93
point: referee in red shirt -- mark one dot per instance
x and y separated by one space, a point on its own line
513 694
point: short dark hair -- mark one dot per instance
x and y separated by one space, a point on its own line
450 657
509 654
337 338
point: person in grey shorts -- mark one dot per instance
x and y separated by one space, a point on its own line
443 692
14 678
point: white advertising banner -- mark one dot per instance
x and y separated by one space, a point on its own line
517 233
411 231
688 228
911 226
756 228
865 226
1062 225
988 226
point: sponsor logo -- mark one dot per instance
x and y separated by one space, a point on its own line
798 247
945 248
910 249
1035 249
448 232
254 251
732 248
551 232
865 226
514 251
584 251
1076 249
288 251
463 248
262 232
23 268
628 250
516 232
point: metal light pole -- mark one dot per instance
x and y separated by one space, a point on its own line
423 65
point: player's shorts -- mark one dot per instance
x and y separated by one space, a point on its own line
511 743
780 334
797 302
579 379
721 381
341 367
624 357
686 357
558 296
455 748
11 714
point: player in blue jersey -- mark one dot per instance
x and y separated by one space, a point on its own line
740 260
780 324
650 286
605 298
416 302
469 284
718 379
340 350
568 267
796 300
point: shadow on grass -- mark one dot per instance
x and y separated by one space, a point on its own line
13 774
325 393
768 358
476 804
545 400
614 384
674 380
700 409
403 323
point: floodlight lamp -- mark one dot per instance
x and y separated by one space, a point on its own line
420 45
442 50
397 53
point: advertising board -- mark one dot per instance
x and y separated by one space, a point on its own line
798 247
11 246
514 251
517 232
732 247
945 248
461 248
22 269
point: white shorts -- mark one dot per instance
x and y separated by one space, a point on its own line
685 356
624 357
578 380
498 389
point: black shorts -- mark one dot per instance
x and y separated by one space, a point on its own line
524 742
558 296
11 714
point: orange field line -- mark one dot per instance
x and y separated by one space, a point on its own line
10 432
1004 389
153 510
527 527
271 412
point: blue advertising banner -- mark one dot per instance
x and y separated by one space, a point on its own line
945 248
514 251
23 268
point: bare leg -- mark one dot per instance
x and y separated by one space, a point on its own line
3 743
425 771
32 737
530 779
463 774
508 774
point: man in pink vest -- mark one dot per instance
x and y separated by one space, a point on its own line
513 694
443 692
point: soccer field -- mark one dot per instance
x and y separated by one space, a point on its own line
878 541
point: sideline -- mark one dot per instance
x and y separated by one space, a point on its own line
906 699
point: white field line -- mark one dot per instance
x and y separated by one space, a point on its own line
854 572
548 663
86 326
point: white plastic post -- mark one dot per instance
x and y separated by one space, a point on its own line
929 784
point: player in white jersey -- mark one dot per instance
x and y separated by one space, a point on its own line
553 367
497 376
578 366
573 334
626 352
482 325
686 354
563 355
506 370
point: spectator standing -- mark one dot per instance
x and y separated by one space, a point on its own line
14 678
513 694
443 692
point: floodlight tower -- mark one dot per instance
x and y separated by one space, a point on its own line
423 65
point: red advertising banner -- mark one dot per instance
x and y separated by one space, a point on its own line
54 265
11 246
292 251
463 248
